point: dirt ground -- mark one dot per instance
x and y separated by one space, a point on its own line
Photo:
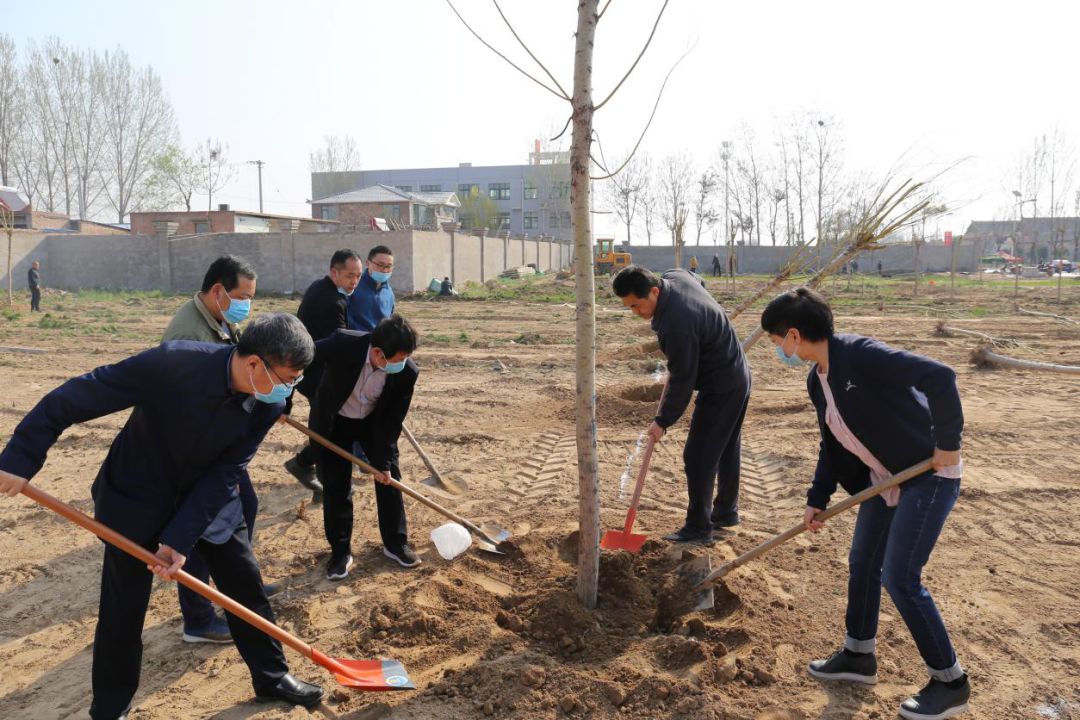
504 636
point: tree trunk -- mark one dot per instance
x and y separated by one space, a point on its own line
9 291
585 410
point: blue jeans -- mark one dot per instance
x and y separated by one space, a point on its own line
891 545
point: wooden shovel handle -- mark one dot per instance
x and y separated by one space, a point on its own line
393 483
423 455
856 499
143 555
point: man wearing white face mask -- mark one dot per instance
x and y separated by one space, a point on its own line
363 397
224 302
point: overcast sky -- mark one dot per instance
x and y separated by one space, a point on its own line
937 80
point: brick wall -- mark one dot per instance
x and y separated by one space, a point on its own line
221 221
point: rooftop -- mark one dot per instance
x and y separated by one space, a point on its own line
387 194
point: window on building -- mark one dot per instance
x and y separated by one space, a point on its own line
499 191
404 188
564 220
560 189
467 189
431 188
328 212
530 191
532 221
202 227
553 220
501 221
392 211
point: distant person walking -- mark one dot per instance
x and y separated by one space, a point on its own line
717 269
33 279
693 264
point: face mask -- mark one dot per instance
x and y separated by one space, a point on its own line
277 394
380 277
792 360
237 311
346 294
393 368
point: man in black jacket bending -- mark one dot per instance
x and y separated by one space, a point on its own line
323 310
703 354
364 395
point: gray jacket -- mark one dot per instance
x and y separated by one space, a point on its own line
702 350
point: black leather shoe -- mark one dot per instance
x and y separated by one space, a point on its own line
304 474
686 535
292 691
272 589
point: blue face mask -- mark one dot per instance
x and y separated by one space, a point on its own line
278 393
394 368
380 277
792 360
237 311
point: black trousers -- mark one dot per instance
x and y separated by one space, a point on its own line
712 456
336 476
35 299
309 456
125 593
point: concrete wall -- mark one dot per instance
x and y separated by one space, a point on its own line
766 259
286 262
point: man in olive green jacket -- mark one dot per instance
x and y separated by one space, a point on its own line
215 312
213 316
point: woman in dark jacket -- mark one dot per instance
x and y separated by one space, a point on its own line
880 410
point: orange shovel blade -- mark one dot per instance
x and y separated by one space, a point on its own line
619 540
370 675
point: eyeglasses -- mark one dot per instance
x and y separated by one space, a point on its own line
385 267
294 383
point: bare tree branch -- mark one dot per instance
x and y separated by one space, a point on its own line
530 52
651 116
510 62
564 127
637 60
603 10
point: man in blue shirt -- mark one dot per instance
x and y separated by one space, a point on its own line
373 299
170 483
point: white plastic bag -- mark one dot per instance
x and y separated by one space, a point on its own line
451 540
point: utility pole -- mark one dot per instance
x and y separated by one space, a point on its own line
212 155
259 164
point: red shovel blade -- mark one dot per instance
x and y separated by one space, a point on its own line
619 540
369 675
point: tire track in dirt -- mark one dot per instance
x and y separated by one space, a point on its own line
764 480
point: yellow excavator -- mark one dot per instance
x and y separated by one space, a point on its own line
607 261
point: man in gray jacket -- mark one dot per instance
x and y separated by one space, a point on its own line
703 354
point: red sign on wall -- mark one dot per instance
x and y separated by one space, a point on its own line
948 237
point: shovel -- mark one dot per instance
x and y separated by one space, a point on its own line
626 540
435 474
488 541
356 674
856 499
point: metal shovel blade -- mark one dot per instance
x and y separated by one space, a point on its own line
490 538
620 540
374 675
691 573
